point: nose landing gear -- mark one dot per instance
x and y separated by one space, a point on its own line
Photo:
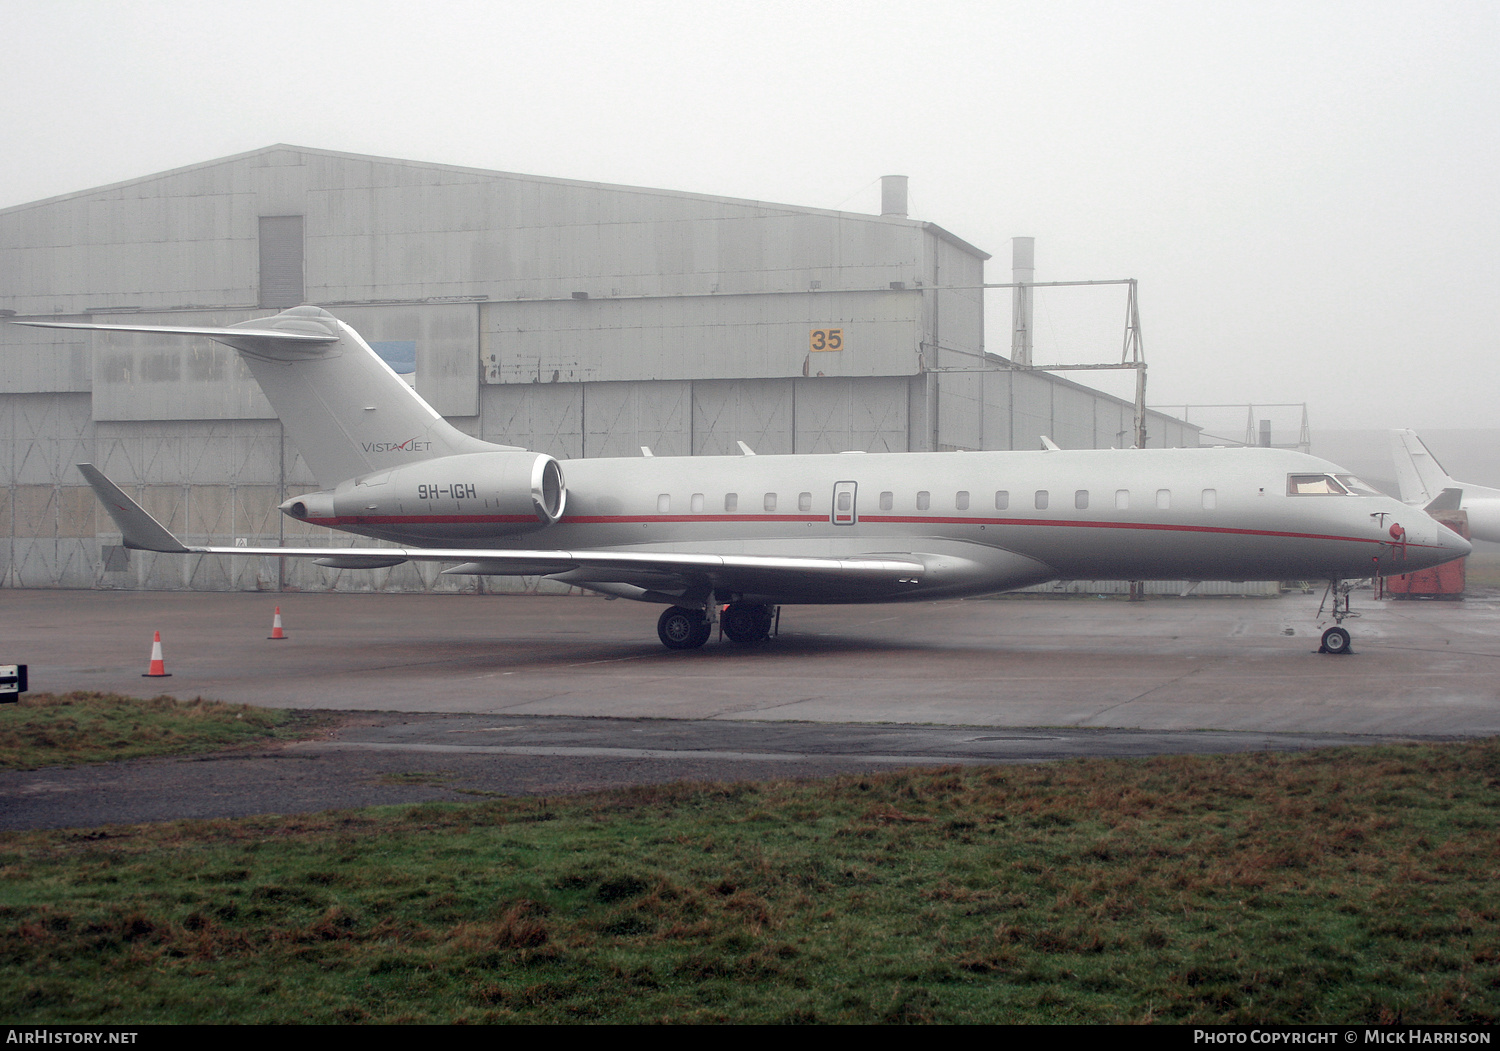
1337 639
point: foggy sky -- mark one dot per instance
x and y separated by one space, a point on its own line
1306 191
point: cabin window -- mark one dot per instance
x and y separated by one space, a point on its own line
663 503
1122 499
1041 499
1210 499
1081 499
804 501
731 502
961 501
1314 485
924 500
697 503
1163 499
846 501
1002 499
770 502
887 501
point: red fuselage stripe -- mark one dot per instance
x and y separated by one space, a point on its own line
343 520
400 520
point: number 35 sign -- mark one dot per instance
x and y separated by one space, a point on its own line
827 339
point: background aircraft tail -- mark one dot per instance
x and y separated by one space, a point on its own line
348 412
1418 473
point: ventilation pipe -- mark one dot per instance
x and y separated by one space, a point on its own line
1022 274
893 197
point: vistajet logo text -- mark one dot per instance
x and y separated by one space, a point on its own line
411 445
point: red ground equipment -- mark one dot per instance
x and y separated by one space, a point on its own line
1445 581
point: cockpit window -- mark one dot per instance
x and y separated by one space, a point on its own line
1358 488
1314 485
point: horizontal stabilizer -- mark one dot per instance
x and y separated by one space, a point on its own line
212 332
285 342
1447 500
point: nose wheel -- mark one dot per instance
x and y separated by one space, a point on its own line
1335 640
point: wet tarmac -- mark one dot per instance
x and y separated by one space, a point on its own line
471 695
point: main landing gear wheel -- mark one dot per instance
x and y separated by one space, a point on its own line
1335 640
746 623
681 628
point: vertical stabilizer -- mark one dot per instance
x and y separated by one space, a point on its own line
346 409
1418 472
348 412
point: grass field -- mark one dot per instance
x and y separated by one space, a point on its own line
1356 885
46 729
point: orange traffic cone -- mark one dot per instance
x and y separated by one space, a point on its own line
276 632
158 668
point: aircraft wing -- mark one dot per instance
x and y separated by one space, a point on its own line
647 570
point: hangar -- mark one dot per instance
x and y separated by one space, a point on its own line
574 318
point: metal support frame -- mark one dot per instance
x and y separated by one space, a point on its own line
1253 412
1132 351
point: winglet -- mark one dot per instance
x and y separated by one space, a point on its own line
139 529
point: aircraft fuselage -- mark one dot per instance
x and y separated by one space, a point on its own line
985 521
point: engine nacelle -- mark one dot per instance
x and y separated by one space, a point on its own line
465 497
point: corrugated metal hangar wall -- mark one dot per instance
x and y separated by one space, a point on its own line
573 318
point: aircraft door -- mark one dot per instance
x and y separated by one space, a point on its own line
844 511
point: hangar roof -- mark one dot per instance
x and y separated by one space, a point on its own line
932 228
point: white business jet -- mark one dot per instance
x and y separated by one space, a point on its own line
1424 483
730 539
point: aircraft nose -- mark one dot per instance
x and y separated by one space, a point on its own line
1455 545
1439 544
